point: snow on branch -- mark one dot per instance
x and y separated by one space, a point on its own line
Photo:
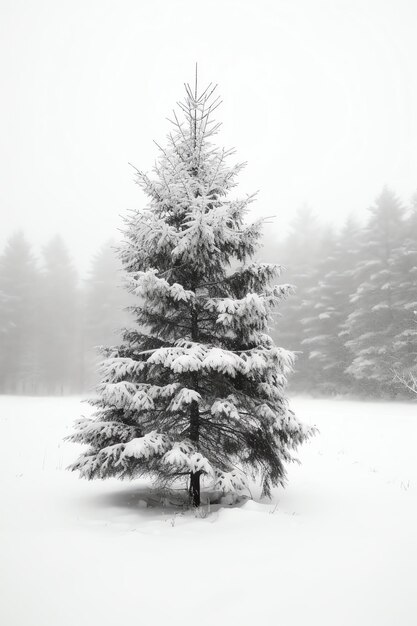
407 380
150 445
148 285
184 398
183 455
102 434
231 482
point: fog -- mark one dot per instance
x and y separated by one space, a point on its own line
318 97
244 356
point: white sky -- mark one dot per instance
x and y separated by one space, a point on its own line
320 97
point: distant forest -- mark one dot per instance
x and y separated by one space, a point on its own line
352 319
51 321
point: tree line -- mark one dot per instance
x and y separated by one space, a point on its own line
51 320
353 317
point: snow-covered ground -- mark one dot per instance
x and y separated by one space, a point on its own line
337 547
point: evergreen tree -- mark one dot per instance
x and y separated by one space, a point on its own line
198 388
301 253
105 304
60 320
377 316
317 308
405 271
19 281
327 304
5 322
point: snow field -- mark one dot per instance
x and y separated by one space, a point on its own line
337 547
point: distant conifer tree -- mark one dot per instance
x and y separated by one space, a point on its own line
301 253
377 315
60 316
405 271
105 303
326 306
19 317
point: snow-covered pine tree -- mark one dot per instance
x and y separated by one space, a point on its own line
19 317
105 304
376 318
405 271
59 320
301 256
198 388
317 309
327 304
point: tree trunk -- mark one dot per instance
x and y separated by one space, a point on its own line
194 436
195 488
194 415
